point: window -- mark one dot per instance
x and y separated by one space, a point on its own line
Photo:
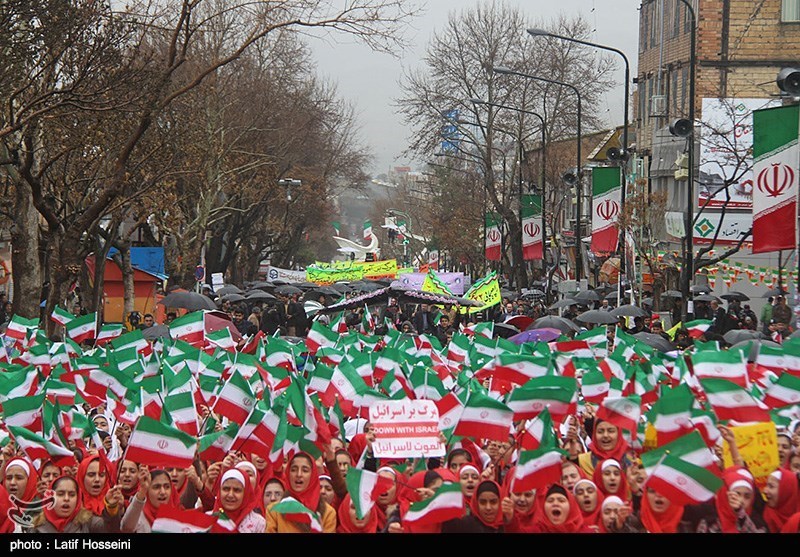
642 99
653 26
674 74
676 23
790 10
643 30
684 82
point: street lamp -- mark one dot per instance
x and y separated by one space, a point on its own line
391 213
544 174
289 182
624 155
578 186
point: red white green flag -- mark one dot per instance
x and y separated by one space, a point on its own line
623 412
189 328
775 178
538 468
493 236
61 316
731 402
484 418
690 447
155 444
671 414
175 520
558 394
682 482
35 447
532 227
320 335
446 503
725 364
606 199
82 328
294 511
236 399
364 488
783 392
19 328
697 327
107 333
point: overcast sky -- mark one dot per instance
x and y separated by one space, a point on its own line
369 80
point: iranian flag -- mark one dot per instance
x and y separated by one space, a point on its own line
484 328
784 392
606 199
515 368
623 412
135 340
216 445
36 446
24 412
682 482
450 409
189 328
732 402
259 432
320 336
19 328
236 399
108 332
458 349
671 415
174 520
697 327
557 394
775 177
82 328
294 511
492 239
155 444
779 359
690 447
594 386
538 468
532 227
367 232
725 364
446 504
181 408
484 418
364 488
537 431
222 338
61 316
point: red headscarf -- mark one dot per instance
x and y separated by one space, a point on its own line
593 517
468 498
95 503
151 511
617 452
623 491
310 497
6 524
249 501
732 476
573 523
403 495
474 507
792 525
787 500
263 488
660 523
522 523
30 493
129 492
346 525
357 446
58 522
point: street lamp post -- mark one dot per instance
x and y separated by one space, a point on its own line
544 175
392 213
578 185
624 154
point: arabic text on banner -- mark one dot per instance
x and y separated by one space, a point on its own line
406 429
758 445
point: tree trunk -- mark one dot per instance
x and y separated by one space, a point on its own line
128 287
26 266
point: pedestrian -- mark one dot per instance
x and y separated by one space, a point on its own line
485 514
781 313
781 498
558 512
766 315
236 503
155 489
302 483
67 516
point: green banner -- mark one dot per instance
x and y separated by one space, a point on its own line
531 205
486 291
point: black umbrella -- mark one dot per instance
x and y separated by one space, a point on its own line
365 286
734 295
752 347
587 296
554 322
187 300
228 289
597 317
259 295
738 335
611 296
288 290
774 292
647 302
279 282
656 341
701 289
504 330
628 310
262 284
341 287
233 297
705 298
671 294
327 291
533 293
565 303
156 331
306 285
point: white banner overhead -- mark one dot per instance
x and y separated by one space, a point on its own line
285 274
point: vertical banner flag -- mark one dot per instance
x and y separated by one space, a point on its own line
493 236
367 230
775 173
532 227
606 200
433 259
337 227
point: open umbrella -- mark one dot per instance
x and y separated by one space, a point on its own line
738 335
734 295
612 296
554 322
306 285
156 331
365 286
259 295
597 317
521 322
535 335
565 303
288 290
587 296
533 293
774 292
671 294
705 298
504 330
656 341
328 291
262 284
217 320
701 289
187 300
311 307
647 302
234 297
752 347
341 287
628 310
228 289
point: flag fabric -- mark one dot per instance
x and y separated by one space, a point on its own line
82 328
222 338
690 447
236 399
189 328
725 364
594 386
319 336
731 402
557 394
450 409
532 227
19 328
107 333
35 446
294 511
156 444
697 327
775 178
606 203
24 412
364 488
538 468
671 414
175 520
134 339
484 418
367 232
783 392
493 236
61 316
780 359
682 482
623 412
446 503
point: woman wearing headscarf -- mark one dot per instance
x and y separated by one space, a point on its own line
607 442
128 478
20 479
187 484
302 483
93 478
658 514
609 478
155 489
468 477
557 512
67 516
349 523
518 507
392 504
49 471
485 516
781 496
590 500
274 491
570 474
236 504
735 502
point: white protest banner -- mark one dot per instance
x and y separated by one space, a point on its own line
285 274
406 428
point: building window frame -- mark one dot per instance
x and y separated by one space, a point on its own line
790 11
